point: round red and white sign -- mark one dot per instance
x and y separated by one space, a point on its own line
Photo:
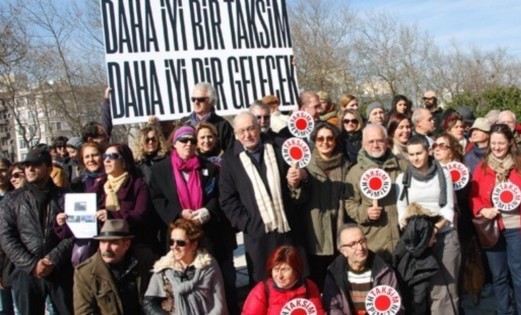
296 150
459 173
506 196
375 183
301 124
299 307
381 300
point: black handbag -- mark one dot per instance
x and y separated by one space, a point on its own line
487 231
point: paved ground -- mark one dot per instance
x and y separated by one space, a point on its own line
485 306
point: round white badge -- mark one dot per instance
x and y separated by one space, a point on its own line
296 150
375 183
459 173
299 307
301 124
382 300
506 196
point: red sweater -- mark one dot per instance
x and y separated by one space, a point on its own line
483 182
258 303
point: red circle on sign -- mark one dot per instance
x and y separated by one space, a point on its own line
455 175
382 303
299 311
375 183
296 153
506 196
301 124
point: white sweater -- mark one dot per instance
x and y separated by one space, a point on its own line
427 195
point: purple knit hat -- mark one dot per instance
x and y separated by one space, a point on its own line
184 131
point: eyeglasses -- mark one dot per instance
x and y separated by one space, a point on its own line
199 99
240 132
350 121
265 117
3 170
362 242
442 146
17 175
147 140
180 243
376 141
186 140
322 139
111 156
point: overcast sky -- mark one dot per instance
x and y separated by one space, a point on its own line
481 23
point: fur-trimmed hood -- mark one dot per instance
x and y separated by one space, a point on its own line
414 209
202 260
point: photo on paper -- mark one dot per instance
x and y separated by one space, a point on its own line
80 209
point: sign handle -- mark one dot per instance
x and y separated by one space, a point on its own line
375 203
294 165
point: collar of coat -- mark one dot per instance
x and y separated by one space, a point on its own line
202 260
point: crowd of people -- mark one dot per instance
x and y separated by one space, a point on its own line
170 205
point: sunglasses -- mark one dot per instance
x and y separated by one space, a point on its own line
442 146
180 243
186 140
199 99
17 175
351 121
111 156
322 139
152 139
265 117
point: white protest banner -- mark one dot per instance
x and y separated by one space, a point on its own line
296 151
506 196
382 300
459 173
156 51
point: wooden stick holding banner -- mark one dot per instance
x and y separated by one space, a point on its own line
375 184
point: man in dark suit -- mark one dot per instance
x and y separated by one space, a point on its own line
256 193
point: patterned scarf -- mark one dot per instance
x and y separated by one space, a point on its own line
190 193
501 167
271 209
111 187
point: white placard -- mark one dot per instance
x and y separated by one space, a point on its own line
375 183
81 214
299 307
506 196
382 300
156 51
459 173
296 150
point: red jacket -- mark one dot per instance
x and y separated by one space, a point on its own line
482 185
260 303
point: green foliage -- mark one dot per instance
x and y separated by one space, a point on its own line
499 97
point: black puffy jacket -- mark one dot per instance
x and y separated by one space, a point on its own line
24 239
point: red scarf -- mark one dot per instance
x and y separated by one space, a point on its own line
190 193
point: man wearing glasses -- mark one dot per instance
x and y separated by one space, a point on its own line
204 99
378 220
362 269
41 259
256 190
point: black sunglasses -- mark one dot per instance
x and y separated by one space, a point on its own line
111 156
186 140
265 117
180 243
199 99
17 175
352 121
147 140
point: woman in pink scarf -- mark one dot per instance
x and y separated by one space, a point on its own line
185 186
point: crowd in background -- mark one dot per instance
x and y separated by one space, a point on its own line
169 208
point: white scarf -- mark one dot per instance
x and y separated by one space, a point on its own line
271 209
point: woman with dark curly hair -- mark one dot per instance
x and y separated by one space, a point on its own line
401 105
150 148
